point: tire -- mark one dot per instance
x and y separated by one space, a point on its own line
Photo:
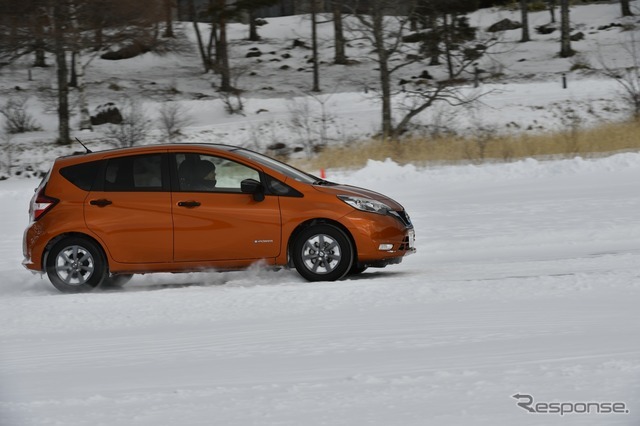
116 281
76 265
322 253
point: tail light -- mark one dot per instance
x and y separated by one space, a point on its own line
40 204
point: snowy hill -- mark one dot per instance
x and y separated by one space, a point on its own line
522 86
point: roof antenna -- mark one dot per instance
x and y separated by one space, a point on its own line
84 146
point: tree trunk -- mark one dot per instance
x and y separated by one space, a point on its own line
40 59
446 28
413 16
85 117
339 41
524 11
39 44
222 50
168 16
387 120
433 44
565 30
73 79
213 42
552 10
60 15
206 62
626 10
385 75
253 28
314 46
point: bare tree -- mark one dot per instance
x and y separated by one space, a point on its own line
314 45
222 13
216 12
23 27
39 43
385 30
325 118
232 99
448 27
251 7
124 24
552 10
338 33
7 147
17 117
302 122
233 102
373 28
60 19
565 30
524 12
135 124
77 43
628 78
173 118
72 28
205 50
168 16
312 126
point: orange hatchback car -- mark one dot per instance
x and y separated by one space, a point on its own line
97 218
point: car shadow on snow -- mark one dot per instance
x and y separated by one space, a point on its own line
249 278
376 275
238 279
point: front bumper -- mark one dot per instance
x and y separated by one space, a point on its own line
380 238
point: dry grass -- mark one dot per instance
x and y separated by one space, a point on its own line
609 138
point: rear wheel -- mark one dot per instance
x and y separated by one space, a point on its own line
322 253
76 265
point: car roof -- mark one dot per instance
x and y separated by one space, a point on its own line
79 157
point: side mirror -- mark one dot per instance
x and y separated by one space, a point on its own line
252 186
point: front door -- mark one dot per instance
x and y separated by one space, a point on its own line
213 220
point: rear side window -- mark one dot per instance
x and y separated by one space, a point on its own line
137 173
82 175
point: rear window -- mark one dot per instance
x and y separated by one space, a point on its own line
82 175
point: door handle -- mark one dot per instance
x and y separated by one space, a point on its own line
100 203
188 204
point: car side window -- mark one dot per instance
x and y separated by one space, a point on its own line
200 172
82 175
135 173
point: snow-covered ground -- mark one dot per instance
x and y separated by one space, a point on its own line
526 280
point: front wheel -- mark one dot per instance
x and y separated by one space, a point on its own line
322 253
76 265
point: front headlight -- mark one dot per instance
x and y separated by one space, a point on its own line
365 204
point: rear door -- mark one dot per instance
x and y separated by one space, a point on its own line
130 209
215 221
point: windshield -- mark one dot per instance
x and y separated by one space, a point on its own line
280 167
